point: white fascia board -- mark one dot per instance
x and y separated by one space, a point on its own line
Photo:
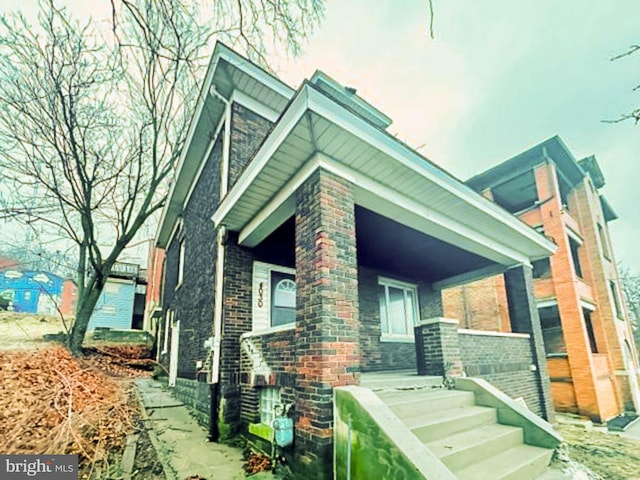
195 120
251 69
279 207
468 277
255 231
408 204
282 129
587 305
575 235
337 114
247 101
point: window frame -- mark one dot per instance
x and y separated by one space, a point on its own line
407 288
268 398
181 255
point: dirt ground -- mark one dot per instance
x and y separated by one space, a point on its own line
20 330
21 333
608 455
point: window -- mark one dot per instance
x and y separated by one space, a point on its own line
181 264
589 327
552 330
616 300
269 399
283 298
603 242
541 268
574 246
398 307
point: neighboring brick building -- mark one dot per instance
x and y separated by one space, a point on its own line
304 243
592 359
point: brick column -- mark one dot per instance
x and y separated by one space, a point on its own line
437 344
523 313
327 325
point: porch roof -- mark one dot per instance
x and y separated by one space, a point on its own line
389 177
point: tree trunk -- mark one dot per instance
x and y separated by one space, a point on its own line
83 315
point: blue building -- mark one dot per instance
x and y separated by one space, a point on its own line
31 291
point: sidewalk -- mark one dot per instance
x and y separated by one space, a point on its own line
181 443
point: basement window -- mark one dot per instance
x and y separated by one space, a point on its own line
269 399
398 308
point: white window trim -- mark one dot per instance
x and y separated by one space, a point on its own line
167 324
400 338
181 264
276 399
271 267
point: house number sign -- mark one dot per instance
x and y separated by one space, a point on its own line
261 294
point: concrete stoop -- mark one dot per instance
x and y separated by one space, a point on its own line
466 437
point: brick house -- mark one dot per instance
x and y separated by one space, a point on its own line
591 355
304 244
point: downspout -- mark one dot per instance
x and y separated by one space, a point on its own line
214 379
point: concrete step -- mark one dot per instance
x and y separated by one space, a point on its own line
407 403
385 381
432 426
518 463
466 448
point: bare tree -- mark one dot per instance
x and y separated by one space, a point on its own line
631 289
92 122
635 113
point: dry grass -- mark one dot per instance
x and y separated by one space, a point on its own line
20 330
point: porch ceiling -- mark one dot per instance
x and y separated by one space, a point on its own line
389 178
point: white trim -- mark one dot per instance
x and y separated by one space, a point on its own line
389 338
587 305
465 331
412 288
218 294
267 331
575 235
203 163
248 233
389 145
550 302
174 232
247 101
226 152
281 130
181 264
273 267
279 206
430 321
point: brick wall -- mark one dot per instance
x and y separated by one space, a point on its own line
192 301
377 355
238 268
277 356
480 305
248 131
504 362
327 327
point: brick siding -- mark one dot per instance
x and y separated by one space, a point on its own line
327 327
505 363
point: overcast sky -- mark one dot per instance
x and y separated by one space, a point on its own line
499 77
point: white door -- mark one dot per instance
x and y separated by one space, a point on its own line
173 354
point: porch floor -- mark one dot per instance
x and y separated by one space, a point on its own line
403 379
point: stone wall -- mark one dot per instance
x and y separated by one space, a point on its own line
196 395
